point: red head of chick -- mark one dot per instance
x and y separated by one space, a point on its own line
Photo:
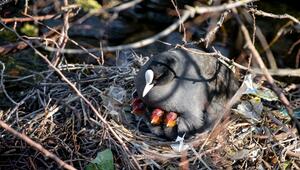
157 116
138 107
171 119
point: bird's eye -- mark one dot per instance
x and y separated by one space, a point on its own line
163 74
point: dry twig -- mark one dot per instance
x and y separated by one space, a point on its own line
28 19
266 14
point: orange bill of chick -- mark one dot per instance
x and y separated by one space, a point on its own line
157 116
171 119
138 106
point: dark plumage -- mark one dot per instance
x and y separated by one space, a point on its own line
192 84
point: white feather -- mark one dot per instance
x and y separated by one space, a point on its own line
149 75
147 88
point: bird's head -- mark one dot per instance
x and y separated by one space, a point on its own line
157 116
171 119
160 71
138 107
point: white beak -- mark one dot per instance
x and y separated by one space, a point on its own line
149 75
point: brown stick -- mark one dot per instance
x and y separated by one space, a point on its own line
283 16
63 39
27 19
35 145
293 154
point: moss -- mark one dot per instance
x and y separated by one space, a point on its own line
89 5
30 30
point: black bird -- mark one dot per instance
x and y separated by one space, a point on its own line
188 82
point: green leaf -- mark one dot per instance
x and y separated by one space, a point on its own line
30 30
89 5
103 161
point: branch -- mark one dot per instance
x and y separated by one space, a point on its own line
266 14
211 34
125 6
202 10
28 19
62 41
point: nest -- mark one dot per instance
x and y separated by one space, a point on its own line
57 118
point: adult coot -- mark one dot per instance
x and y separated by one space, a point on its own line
189 86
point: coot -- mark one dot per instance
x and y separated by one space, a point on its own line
190 84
